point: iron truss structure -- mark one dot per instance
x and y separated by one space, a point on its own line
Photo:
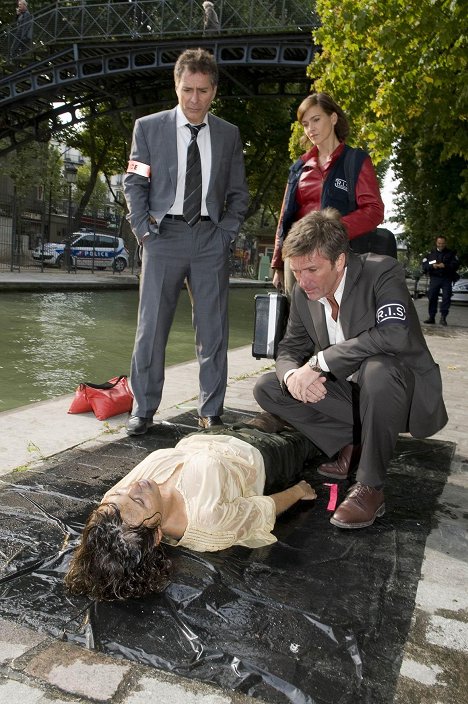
120 55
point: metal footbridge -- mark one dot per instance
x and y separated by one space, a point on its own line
82 58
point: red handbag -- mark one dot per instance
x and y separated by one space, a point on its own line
105 400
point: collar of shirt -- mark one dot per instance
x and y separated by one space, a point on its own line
204 146
311 158
335 331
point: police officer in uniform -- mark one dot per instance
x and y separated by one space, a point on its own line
441 265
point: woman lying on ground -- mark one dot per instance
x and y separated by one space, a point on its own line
206 494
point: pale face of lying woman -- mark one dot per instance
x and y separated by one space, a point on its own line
140 503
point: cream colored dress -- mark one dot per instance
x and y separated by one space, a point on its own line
221 480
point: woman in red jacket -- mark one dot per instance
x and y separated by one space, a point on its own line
317 179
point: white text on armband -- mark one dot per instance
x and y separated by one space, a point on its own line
394 312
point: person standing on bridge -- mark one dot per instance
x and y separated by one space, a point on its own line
318 180
23 30
187 197
210 19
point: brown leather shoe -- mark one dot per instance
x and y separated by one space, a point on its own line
268 422
209 421
347 459
362 505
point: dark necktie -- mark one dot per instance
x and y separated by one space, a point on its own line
335 307
193 178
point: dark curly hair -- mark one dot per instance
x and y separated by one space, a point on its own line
115 561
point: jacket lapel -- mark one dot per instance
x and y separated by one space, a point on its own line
170 147
312 314
348 310
317 313
216 139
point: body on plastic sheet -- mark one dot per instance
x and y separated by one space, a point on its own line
320 617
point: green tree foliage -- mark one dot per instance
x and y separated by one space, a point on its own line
428 196
32 166
398 68
98 199
265 126
105 141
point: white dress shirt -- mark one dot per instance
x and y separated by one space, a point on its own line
204 146
335 331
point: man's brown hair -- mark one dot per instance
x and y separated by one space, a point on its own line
320 231
196 61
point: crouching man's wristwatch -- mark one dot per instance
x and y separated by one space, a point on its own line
313 364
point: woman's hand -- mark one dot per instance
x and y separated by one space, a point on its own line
287 498
309 492
278 279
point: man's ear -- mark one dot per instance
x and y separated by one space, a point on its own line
341 262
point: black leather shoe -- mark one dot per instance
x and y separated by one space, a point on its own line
209 421
443 320
138 426
429 321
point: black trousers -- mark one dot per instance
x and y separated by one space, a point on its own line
436 284
284 454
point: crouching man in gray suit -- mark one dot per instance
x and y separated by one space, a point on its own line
353 369
187 197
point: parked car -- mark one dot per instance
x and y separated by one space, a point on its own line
105 250
460 290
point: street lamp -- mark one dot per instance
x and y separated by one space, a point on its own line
70 176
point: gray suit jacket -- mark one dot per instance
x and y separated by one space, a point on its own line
378 317
155 144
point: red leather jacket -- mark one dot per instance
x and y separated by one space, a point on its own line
370 208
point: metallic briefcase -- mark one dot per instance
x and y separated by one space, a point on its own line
271 317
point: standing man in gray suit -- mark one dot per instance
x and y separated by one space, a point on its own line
187 197
353 369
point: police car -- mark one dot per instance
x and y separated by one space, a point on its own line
105 251
460 290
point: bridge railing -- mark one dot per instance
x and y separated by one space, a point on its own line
89 21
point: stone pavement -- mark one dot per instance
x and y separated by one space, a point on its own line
36 669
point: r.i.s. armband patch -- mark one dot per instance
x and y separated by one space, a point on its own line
392 312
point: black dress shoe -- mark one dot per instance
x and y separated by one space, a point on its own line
429 321
443 320
209 421
138 426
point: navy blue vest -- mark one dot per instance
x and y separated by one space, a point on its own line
335 188
334 191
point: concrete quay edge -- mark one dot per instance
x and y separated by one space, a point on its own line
83 280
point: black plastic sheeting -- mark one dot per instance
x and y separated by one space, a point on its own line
319 617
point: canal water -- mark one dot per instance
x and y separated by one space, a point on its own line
50 342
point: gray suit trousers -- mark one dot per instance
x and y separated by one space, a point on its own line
371 410
176 252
